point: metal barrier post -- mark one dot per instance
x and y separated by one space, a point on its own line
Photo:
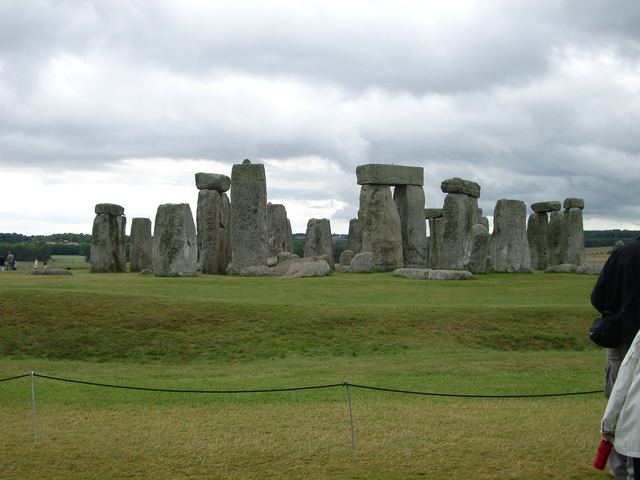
33 407
353 435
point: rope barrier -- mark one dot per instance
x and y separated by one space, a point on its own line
312 387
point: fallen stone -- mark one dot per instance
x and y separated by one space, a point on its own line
562 268
590 268
316 268
257 271
413 273
362 262
450 275
52 271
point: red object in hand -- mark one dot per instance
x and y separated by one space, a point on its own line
604 449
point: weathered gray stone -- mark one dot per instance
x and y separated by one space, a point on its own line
315 268
436 233
141 241
109 209
355 236
224 237
213 181
449 275
458 185
574 236
345 258
562 268
344 269
410 202
363 262
546 207
509 245
146 271
479 249
555 238
208 230
537 227
460 214
318 239
430 213
257 271
279 229
381 227
108 244
590 268
52 271
175 244
573 203
249 237
381 174
412 273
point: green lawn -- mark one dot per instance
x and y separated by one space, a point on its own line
496 335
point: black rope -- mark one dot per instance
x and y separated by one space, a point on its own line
13 378
167 390
314 387
409 392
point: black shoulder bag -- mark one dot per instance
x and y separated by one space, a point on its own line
606 329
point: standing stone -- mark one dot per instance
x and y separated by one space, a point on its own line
410 202
175 244
479 249
141 252
355 236
208 228
555 238
436 230
574 231
108 240
224 237
509 246
249 237
279 229
381 227
460 214
537 227
319 240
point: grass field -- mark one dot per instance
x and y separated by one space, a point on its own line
496 335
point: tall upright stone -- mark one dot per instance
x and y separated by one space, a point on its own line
249 236
555 238
208 230
574 231
410 202
381 227
355 236
434 217
538 233
279 229
224 245
460 214
509 245
108 240
175 243
319 240
479 249
141 241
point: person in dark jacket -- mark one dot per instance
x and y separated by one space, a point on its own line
618 277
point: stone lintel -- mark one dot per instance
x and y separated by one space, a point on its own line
109 209
458 185
382 174
546 207
430 213
213 181
573 203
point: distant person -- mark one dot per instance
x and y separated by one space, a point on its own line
619 276
622 415
44 263
11 261
35 264
2 263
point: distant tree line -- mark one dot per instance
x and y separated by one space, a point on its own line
29 247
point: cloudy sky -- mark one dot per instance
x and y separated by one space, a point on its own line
124 101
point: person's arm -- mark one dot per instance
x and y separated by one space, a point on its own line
619 393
